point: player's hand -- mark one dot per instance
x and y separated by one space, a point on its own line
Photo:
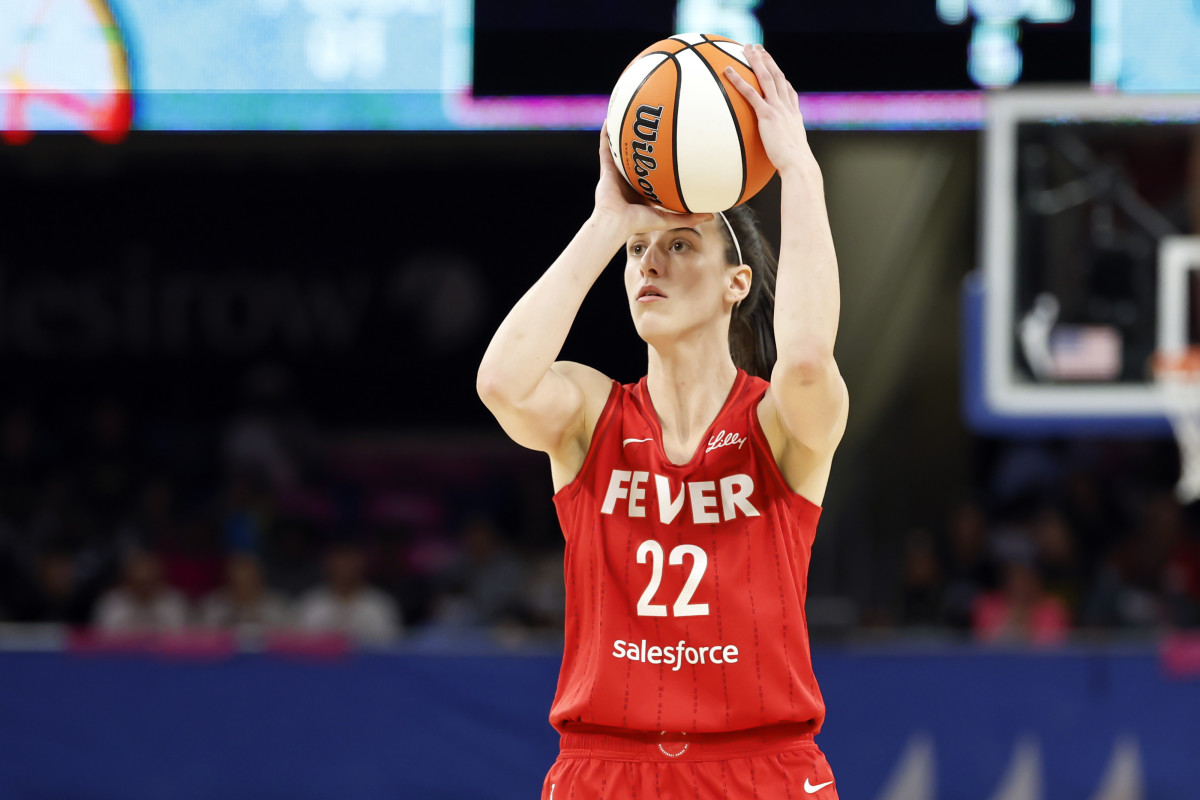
616 198
780 123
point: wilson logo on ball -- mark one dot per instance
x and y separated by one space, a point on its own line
645 128
680 133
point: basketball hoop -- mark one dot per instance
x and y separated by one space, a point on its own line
1178 377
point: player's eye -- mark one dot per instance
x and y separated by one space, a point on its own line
637 249
678 246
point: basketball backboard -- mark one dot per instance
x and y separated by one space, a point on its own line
1090 261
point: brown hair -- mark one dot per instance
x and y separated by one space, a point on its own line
752 327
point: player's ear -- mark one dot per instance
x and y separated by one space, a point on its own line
740 279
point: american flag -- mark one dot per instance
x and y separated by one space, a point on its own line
1085 352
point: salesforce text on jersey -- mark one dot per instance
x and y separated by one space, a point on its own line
677 654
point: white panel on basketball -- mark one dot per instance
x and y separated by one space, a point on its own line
627 84
734 49
689 38
708 156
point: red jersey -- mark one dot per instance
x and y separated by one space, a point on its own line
685 583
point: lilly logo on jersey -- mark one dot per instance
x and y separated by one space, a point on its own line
731 493
723 439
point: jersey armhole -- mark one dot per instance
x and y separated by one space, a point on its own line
589 458
764 447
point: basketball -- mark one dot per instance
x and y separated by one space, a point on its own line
680 132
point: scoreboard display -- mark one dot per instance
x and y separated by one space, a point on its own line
872 46
109 66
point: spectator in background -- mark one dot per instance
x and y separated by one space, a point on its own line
193 563
1157 571
243 604
969 571
451 613
1094 514
1020 611
1165 536
1057 559
154 519
56 593
545 593
487 576
393 570
921 586
346 604
1128 589
141 603
248 511
62 522
290 557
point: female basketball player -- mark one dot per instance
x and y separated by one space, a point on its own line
688 500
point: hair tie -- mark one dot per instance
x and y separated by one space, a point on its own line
732 235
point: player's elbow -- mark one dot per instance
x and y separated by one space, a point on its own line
492 386
502 390
806 366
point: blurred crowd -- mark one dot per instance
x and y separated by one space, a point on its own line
132 522
127 523
1064 539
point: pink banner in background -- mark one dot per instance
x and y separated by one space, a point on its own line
907 110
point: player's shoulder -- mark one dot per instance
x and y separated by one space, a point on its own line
595 388
582 374
593 384
595 391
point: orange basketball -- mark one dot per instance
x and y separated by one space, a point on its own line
680 132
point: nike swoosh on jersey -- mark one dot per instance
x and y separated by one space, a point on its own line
631 441
808 787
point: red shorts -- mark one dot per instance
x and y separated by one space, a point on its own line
780 761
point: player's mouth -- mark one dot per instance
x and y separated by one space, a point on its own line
649 294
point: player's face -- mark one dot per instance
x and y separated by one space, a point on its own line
678 280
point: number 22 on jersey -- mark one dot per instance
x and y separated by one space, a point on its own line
683 606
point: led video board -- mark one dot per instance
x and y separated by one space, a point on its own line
108 66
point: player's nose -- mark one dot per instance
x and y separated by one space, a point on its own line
653 262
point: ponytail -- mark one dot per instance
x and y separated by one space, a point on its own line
752 327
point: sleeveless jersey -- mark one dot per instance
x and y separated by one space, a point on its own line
685 583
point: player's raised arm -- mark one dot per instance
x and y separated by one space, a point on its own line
807 391
543 404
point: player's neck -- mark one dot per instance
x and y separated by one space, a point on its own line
688 390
